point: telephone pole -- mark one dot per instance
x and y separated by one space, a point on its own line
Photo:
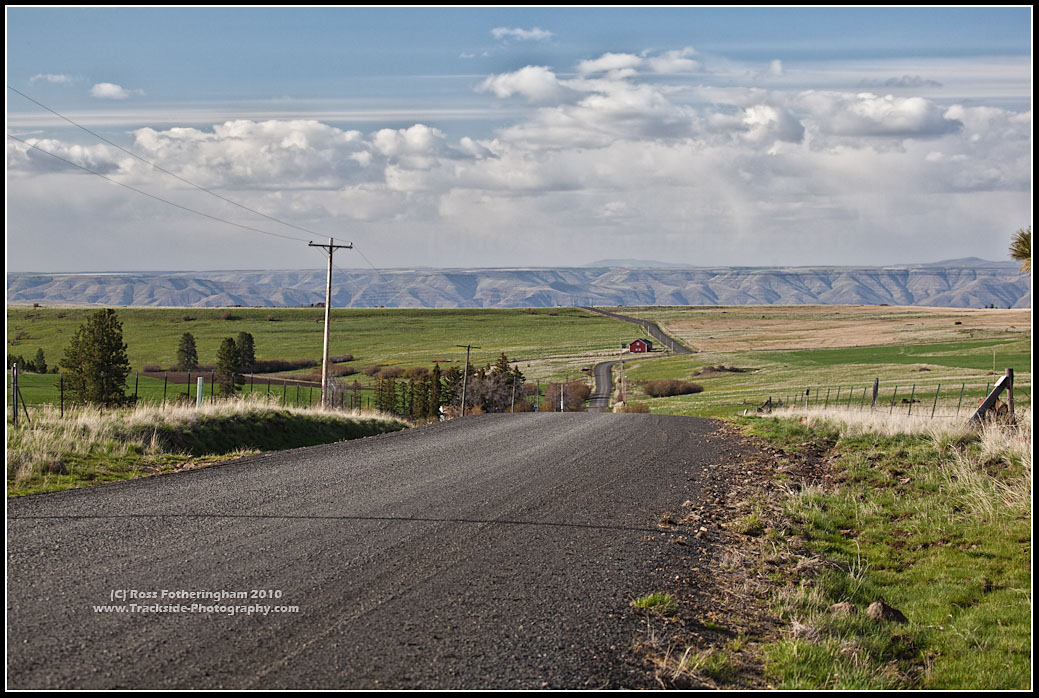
331 247
465 375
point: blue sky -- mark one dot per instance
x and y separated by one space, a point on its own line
520 136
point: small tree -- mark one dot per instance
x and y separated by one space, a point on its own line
246 349
40 362
187 354
95 361
228 374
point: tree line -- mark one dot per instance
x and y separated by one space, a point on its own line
95 369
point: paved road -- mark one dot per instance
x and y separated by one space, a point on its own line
600 399
652 328
496 551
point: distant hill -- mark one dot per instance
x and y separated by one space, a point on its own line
957 283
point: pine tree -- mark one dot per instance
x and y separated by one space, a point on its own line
95 361
228 367
40 362
247 350
187 354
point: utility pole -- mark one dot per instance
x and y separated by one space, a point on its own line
325 396
465 374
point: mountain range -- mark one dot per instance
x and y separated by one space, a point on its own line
965 283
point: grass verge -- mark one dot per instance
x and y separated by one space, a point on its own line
932 520
85 447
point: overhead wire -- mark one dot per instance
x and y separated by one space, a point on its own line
161 169
177 177
153 196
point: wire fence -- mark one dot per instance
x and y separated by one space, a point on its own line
171 387
938 401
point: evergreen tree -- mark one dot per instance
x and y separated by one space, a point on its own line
187 354
40 364
247 350
95 361
228 373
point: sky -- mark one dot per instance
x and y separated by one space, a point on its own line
228 138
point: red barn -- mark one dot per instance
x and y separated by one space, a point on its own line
640 346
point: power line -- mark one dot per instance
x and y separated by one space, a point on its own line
153 196
161 169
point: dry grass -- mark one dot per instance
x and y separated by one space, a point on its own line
92 442
772 328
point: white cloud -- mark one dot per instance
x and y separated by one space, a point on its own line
629 144
535 34
56 79
108 90
533 83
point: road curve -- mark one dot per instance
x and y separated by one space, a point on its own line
676 346
495 551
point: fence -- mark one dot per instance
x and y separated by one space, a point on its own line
36 390
937 401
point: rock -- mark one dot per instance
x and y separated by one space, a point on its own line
878 610
845 607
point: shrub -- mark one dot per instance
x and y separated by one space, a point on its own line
635 408
669 388
341 358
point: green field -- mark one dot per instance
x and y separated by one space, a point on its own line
943 362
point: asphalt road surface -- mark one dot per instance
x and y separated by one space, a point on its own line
495 551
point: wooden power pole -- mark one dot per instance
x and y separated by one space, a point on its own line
331 247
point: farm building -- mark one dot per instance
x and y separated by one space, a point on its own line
640 346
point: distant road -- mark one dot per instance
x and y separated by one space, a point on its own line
600 399
494 551
652 328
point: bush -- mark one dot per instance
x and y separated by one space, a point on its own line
669 388
341 358
635 408
278 365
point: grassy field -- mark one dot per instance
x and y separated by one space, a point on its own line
835 353
932 519
547 343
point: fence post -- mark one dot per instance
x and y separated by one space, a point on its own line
963 387
212 384
189 385
894 396
862 402
837 400
165 378
61 391
807 395
876 392
1010 390
911 396
14 393
935 405
827 403
136 382
200 392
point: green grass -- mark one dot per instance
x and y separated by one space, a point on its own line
935 523
658 603
399 337
953 371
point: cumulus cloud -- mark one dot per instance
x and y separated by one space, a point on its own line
867 114
517 34
533 83
627 143
108 90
